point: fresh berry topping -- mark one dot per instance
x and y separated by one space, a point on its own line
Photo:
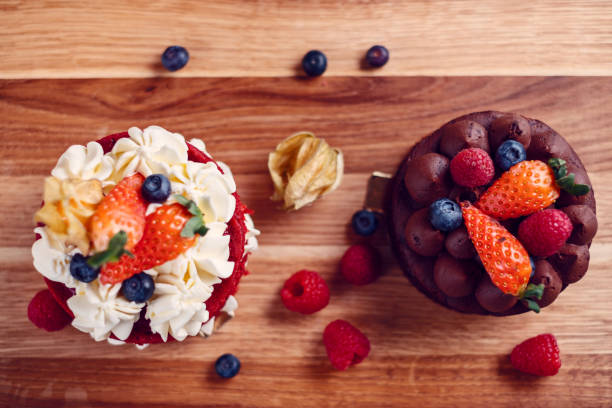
81 270
565 180
510 153
116 249
538 355
527 187
472 167
156 188
305 292
227 366
314 63
46 313
139 288
364 222
345 344
502 255
377 56
174 58
123 209
359 264
168 232
532 263
445 215
545 232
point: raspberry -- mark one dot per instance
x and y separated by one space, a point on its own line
359 264
545 232
305 292
46 313
345 344
538 355
472 167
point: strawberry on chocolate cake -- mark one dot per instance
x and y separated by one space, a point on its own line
142 238
493 213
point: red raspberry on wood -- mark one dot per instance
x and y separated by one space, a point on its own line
345 344
305 292
538 355
360 264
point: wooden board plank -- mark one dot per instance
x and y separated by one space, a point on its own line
67 39
422 354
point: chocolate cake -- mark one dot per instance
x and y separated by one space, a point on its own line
444 265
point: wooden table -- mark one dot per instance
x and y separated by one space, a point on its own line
422 354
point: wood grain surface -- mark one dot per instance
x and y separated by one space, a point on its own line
422 354
117 38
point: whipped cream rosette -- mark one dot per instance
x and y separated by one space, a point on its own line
134 266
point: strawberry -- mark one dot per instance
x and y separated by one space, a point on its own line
538 355
527 187
123 209
502 255
168 232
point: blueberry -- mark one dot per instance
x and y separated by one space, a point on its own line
509 153
364 222
314 63
227 366
377 56
532 263
80 269
139 288
445 215
156 188
175 58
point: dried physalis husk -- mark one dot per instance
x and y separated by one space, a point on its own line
303 168
68 206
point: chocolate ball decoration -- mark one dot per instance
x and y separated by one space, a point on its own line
461 135
421 236
454 277
545 274
459 244
509 126
572 262
584 221
492 298
428 178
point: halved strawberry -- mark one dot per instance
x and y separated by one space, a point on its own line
502 255
168 232
123 209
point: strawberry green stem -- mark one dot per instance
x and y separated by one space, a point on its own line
116 249
564 180
530 295
195 225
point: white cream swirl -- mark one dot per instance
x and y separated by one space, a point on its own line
52 257
185 283
205 185
251 235
99 311
147 152
85 163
